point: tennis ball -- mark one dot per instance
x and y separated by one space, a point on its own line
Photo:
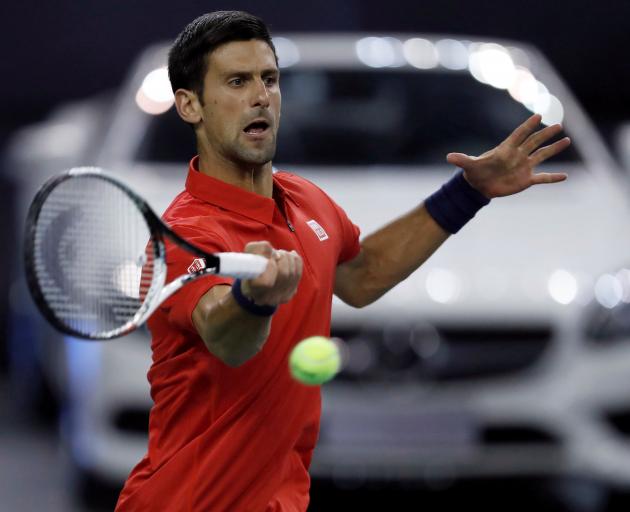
315 360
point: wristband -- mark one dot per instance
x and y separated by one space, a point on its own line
455 203
249 305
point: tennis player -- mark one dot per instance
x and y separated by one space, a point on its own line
230 430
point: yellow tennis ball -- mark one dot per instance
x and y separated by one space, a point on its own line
315 360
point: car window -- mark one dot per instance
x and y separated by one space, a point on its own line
372 117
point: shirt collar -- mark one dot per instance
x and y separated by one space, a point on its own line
230 197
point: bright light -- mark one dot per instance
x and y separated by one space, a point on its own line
608 291
562 286
539 99
380 52
491 64
420 53
543 100
127 279
155 95
535 97
554 113
452 54
157 87
442 285
524 87
287 51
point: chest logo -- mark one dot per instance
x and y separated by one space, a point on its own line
197 265
318 230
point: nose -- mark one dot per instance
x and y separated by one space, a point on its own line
260 94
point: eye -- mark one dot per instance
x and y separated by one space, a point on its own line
236 82
271 80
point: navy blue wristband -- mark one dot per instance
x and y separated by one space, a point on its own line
455 203
249 305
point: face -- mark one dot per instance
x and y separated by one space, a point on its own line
241 102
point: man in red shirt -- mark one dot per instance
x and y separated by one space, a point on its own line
230 430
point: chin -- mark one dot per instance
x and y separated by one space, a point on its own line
257 157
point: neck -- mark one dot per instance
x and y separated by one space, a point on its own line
253 178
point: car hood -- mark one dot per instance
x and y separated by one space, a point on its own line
502 261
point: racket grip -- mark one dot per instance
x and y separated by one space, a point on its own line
241 265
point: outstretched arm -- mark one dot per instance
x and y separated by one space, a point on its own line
388 256
392 253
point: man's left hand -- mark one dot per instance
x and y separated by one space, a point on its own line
509 168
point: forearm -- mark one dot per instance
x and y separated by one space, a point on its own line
234 322
228 331
391 254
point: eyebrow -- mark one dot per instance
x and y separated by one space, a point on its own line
268 71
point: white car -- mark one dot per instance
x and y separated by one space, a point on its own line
478 365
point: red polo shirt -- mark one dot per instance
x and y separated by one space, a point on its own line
238 439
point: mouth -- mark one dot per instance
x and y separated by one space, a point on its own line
257 128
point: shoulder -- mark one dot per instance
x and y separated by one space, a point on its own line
182 207
298 186
191 218
289 179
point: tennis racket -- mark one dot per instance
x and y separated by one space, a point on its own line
95 257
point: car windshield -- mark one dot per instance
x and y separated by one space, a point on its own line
371 117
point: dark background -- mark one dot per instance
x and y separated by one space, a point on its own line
66 49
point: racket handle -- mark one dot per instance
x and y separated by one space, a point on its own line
241 265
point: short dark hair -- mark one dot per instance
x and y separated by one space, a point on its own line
188 57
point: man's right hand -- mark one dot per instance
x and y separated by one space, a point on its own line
228 331
280 280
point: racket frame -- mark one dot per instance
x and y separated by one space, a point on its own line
157 293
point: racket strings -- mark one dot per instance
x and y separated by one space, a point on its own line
93 255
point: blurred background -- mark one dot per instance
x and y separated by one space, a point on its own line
496 376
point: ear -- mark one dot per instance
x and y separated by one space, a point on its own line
188 106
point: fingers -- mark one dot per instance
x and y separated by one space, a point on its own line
263 248
459 160
546 177
284 264
518 136
268 277
536 139
548 151
279 282
299 264
289 274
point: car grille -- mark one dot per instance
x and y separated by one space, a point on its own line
435 353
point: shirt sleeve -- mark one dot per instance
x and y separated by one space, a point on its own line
179 307
350 231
